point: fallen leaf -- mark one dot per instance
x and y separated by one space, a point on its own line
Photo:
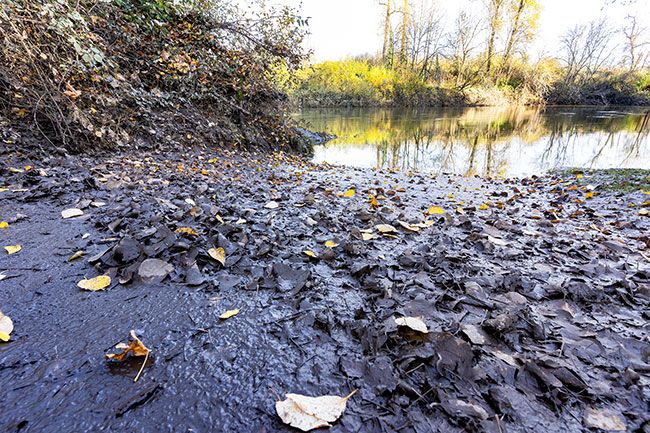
219 254
410 227
4 225
308 413
6 327
311 254
604 419
134 347
435 210
230 313
94 284
497 241
71 213
385 228
154 270
349 193
367 236
331 244
186 231
13 249
415 323
76 255
272 205
484 207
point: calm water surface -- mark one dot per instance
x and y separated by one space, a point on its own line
497 142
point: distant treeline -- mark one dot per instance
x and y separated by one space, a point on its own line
482 59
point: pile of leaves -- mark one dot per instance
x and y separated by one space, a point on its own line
137 73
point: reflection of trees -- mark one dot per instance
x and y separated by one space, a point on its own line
476 141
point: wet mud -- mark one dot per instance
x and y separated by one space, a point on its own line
535 293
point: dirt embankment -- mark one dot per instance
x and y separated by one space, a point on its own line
534 292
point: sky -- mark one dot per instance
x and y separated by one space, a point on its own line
342 28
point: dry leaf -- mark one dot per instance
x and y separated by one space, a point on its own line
219 254
76 255
604 419
94 284
331 244
484 207
13 249
311 254
230 313
367 236
135 347
385 228
410 227
186 231
4 225
272 205
435 210
308 413
415 323
6 327
71 213
349 193
497 241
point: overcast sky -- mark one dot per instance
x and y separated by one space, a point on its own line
341 28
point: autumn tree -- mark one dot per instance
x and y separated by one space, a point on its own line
495 22
523 16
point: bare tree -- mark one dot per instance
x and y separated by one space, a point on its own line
462 42
404 32
637 55
388 34
587 49
425 33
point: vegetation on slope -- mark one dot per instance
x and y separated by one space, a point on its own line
88 74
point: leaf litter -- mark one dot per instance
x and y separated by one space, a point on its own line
536 307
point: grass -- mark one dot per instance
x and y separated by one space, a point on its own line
625 180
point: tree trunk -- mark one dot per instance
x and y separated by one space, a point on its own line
387 31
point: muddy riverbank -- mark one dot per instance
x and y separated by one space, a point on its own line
535 293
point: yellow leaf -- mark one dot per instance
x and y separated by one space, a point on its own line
415 323
4 225
410 227
186 230
589 195
331 244
76 255
644 212
6 327
484 207
578 176
450 196
219 254
385 228
460 210
435 210
230 313
349 193
94 284
13 249
134 347
71 213
310 253
308 413
367 236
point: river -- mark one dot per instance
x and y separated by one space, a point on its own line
485 141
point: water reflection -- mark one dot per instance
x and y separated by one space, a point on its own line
506 141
